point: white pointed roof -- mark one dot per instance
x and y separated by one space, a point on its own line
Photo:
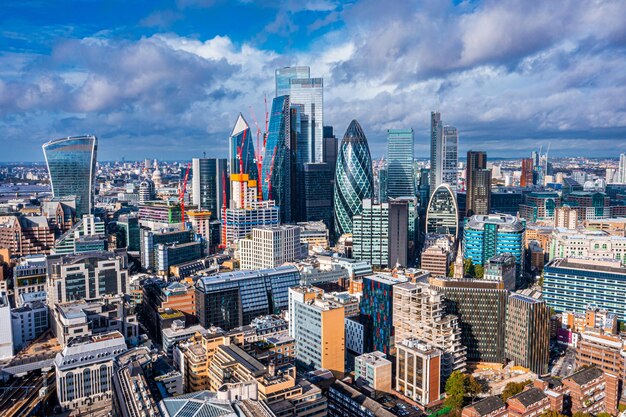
240 125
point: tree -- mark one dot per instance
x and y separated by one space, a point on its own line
581 414
479 271
473 387
552 413
455 390
603 414
514 388
468 267
451 270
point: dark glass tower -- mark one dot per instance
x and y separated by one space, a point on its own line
241 140
72 166
478 184
354 180
277 168
209 178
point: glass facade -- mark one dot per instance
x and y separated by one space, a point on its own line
568 286
436 138
72 165
354 180
241 138
400 181
234 299
209 175
377 312
285 75
317 196
450 157
442 214
277 169
487 236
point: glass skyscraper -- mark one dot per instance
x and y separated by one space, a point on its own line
241 137
277 182
436 138
354 180
400 181
450 157
209 176
442 213
71 165
306 93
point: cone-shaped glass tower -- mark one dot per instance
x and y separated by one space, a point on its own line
354 180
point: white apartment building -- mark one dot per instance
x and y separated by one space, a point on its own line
271 247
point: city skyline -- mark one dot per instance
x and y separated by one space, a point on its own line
182 75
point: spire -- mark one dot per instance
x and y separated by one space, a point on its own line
240 125
458 265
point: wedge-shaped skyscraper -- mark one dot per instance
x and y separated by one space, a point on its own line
71 165
241 150
354 180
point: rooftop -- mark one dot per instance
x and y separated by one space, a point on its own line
505 222
608 267
530 396
488 405
586 375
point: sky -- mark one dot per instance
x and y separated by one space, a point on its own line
167 79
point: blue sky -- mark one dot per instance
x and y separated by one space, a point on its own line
166 79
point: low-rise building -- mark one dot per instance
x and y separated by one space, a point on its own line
28 321
345 401
29 275
373 370
528 403
418 371
178 332
592 391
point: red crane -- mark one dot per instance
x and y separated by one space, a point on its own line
268 178
181 195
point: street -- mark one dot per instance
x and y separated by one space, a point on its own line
566 364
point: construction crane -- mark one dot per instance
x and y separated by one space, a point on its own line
268 178
181 196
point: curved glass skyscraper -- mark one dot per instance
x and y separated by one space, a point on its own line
442 214
72 166
354 180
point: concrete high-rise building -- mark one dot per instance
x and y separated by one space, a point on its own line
418 313
442 213
27 235
318 327
418 371
208 181
450 157
480 306
501 268
622 169
526 178
270 247
307 95
241 156
528 331
435 260
146 190
354 180
566 217
71 165
436 148
245 211
477 184
373 370
403 231
86 276
400 175
495 234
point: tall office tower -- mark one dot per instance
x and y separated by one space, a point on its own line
423 187
354 180
385 234
146 190
528 331
241 150
277 169
72 168
400 178
245 211
315 193
526 179
208 181
477 184
377 311
418 313
381 176
86 276
271 246
318 327
450 157
481 307
436 145
330 146
306 94
622 169
495 234
442 213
